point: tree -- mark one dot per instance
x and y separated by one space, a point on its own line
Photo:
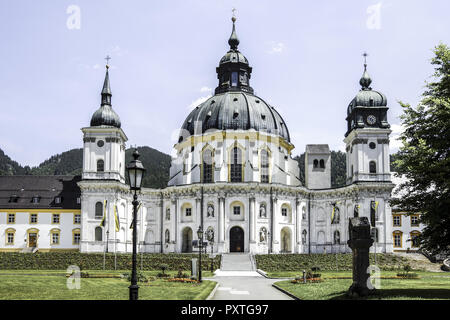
424 157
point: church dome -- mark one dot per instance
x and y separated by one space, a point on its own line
105 115
366 97
234 105
235 110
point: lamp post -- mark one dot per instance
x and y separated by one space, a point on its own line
135 174
200 244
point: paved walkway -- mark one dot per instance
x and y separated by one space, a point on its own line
238 280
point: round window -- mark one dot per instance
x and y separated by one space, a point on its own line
372 145
100 143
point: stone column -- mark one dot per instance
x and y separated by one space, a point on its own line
298 226
360 242
252 223
221 223
275 233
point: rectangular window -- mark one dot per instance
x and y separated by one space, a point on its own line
33 218
76 238
284 212
397 220
55 218
78 200
188 212
10 238
55 238
234 79
397 240
77 218
415 221
11 217
237 210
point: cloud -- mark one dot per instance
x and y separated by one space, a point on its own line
205 89
118 51
198 101
395 142
276 47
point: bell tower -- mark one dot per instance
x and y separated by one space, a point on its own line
367 136
104 141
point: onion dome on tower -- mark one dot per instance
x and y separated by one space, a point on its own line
234 105
105 115
368 108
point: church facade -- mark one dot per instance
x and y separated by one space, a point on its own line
233 175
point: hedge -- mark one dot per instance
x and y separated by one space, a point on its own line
326 262
94 261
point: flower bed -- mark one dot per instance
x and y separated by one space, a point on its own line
310 280
184 280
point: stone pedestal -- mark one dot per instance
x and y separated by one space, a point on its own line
360 242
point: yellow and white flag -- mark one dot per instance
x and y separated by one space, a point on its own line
116 218
105 202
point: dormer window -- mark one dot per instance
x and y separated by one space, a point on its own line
35 199
14 198
57 200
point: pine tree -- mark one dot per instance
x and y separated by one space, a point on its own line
425 157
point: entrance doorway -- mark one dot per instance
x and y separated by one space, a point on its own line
187 240
32 239
236 239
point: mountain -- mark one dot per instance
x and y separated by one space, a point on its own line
157 164
66 163
71 162
9 167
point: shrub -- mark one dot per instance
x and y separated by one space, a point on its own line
163 267
94 261
139 275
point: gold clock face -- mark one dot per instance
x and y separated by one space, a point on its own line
371 119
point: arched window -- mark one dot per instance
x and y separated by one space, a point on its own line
98 234
236 165
207 166
167 237
372 167
99 210
264 166
100 165
337 237
322 164
234 79
315 163
304 233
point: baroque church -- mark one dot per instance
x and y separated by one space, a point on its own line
234 175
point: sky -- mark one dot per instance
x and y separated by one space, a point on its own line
306 58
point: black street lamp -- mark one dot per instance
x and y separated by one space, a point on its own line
135 174
200 244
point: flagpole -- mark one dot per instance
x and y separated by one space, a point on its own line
115 238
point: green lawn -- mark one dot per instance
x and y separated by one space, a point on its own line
51 285
431 285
